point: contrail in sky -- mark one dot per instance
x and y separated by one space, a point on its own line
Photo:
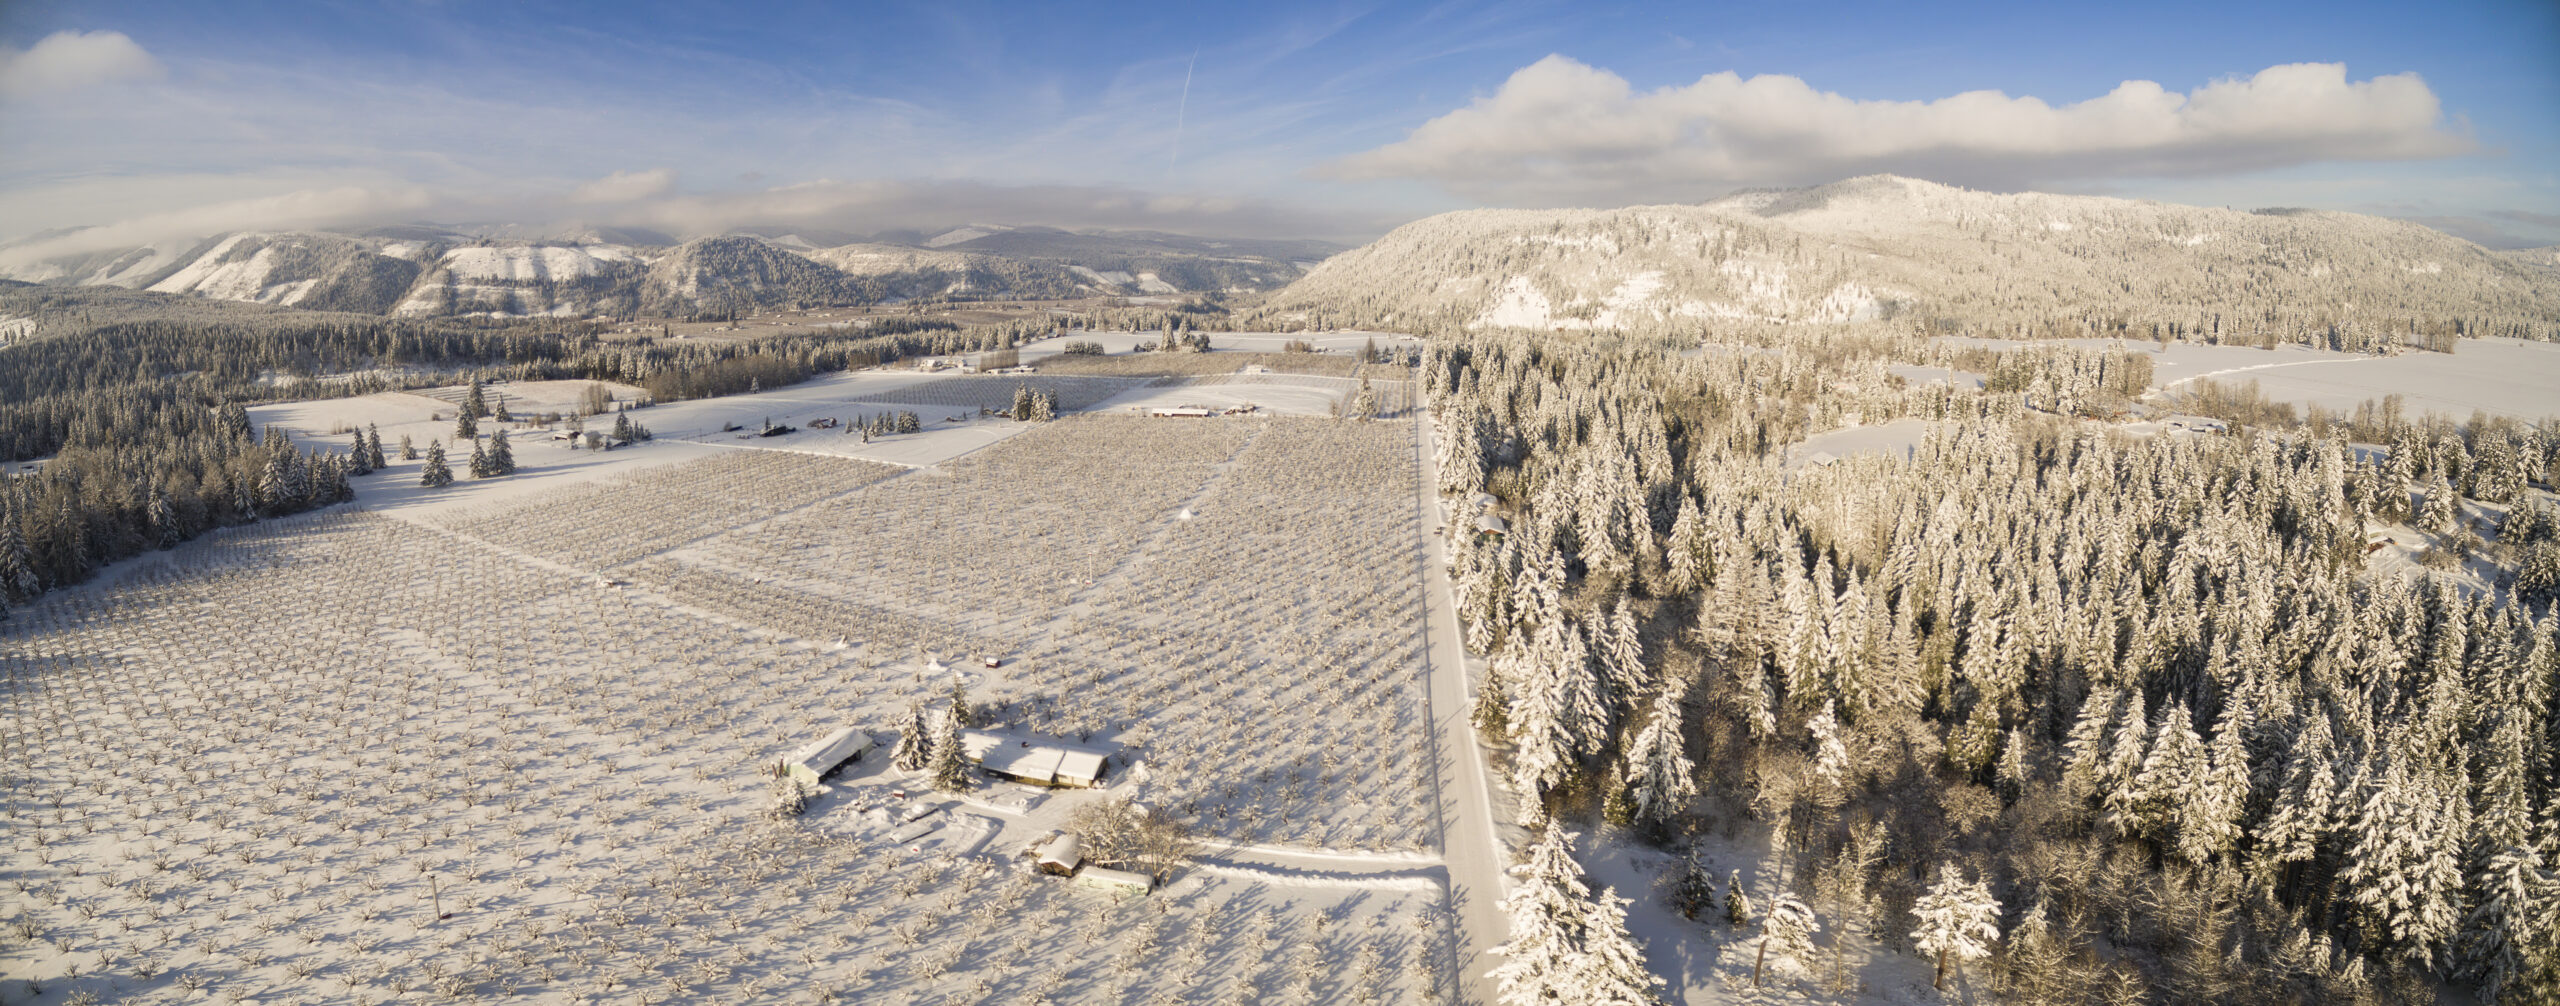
1179 109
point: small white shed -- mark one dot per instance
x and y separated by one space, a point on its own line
1491 524
1115 881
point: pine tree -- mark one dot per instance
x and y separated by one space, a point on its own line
1660 777
2299 818
1685 561
1547 908
1959 920
1737 903
501 414
1621 651
373 458
1791 924
161 519
961 713
622 427
1692 889
949 766
2210 804
2404 869
467 427
18 580
357 459
502 458
2517 915
1611 970
408 449
2437 513
915 741
1542 743
473 405
480 460
1492 709
280 483
435 475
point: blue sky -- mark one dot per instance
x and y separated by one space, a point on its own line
1289 120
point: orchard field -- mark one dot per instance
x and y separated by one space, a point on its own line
511 749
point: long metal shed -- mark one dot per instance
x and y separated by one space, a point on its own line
811 764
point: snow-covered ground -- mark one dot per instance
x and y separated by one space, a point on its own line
2499 376
1894 439
1340 342
465 722
2502 377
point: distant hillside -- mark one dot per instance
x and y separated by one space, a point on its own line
426 271
1888 249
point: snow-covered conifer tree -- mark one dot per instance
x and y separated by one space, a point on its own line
949 766
502 458
436 474
1659 776
915 741
1790 923
1611 970
1543 957
1959 920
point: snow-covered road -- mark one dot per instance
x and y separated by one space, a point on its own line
1469 847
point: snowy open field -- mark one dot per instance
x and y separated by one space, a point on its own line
427 705
2502 377
2506 377
1224 342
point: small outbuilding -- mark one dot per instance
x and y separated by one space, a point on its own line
1492 524
1061 856
811 765
1181 412
1115 881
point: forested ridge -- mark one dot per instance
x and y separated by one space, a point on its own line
2144 689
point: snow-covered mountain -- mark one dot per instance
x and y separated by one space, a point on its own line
422 271
1884 248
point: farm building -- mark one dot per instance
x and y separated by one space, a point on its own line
1063 854
1115 881
1181 412
811 764
1033 760
1491 524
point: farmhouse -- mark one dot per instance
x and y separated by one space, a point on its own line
1492 524
811 764
1033 760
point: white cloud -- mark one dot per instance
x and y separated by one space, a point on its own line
73 61
309 208
872 205
625 186
1559 130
